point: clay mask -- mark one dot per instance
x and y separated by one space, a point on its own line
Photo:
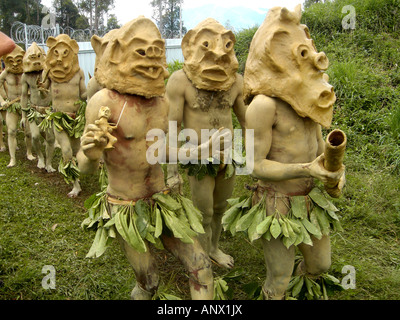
62 58
284 63
34 58
13 60
133 61
210 61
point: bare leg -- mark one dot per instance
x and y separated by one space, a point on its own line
66 149
317 258
2 117
49 141
36 143
279 260
197 263
223 191
28 141
12 123
202 197
146 272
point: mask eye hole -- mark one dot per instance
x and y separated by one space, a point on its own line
141 52
228 44
205 44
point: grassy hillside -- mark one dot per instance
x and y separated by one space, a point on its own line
40 226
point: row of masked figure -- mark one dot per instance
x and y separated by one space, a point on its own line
284 100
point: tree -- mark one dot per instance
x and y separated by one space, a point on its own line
167 14
309 3
112 23
67 14
25 11
96 9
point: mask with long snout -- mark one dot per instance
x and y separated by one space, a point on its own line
283 62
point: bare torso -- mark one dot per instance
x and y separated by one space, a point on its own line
30 79
130 175
207 109
294 139
14 84
65 94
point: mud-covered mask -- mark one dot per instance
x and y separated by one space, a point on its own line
284 63
62 58
34 58
133 61
210 61
13 60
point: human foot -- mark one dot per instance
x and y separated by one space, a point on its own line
223 259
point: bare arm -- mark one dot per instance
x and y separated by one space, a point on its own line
91 151
24 96
264 108
82 86
3 76
239 108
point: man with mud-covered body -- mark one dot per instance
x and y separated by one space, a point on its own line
66 82
132 71
202 96
289 100
37 104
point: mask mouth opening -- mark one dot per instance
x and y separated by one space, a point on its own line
149 71
326 98
215 74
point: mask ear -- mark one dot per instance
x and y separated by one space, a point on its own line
51 41
276 41
74 45
96 42
116 51
186 43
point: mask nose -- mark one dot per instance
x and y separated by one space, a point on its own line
154 52
321 61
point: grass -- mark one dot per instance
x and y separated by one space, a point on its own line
40 225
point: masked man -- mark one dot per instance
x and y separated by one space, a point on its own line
35 106
11 77
135 206
202 96
289 100
66 82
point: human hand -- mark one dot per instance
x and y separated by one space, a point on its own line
330 179
221 140
93 142
175 183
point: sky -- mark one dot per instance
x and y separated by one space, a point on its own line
126 10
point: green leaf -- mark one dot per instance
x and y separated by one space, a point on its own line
297 287
322 219
264 225
275 228
311 228
258 217
166 201
319 198
298 205
159 226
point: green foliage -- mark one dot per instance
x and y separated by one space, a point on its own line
242 45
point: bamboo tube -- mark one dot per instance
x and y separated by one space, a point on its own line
335 146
